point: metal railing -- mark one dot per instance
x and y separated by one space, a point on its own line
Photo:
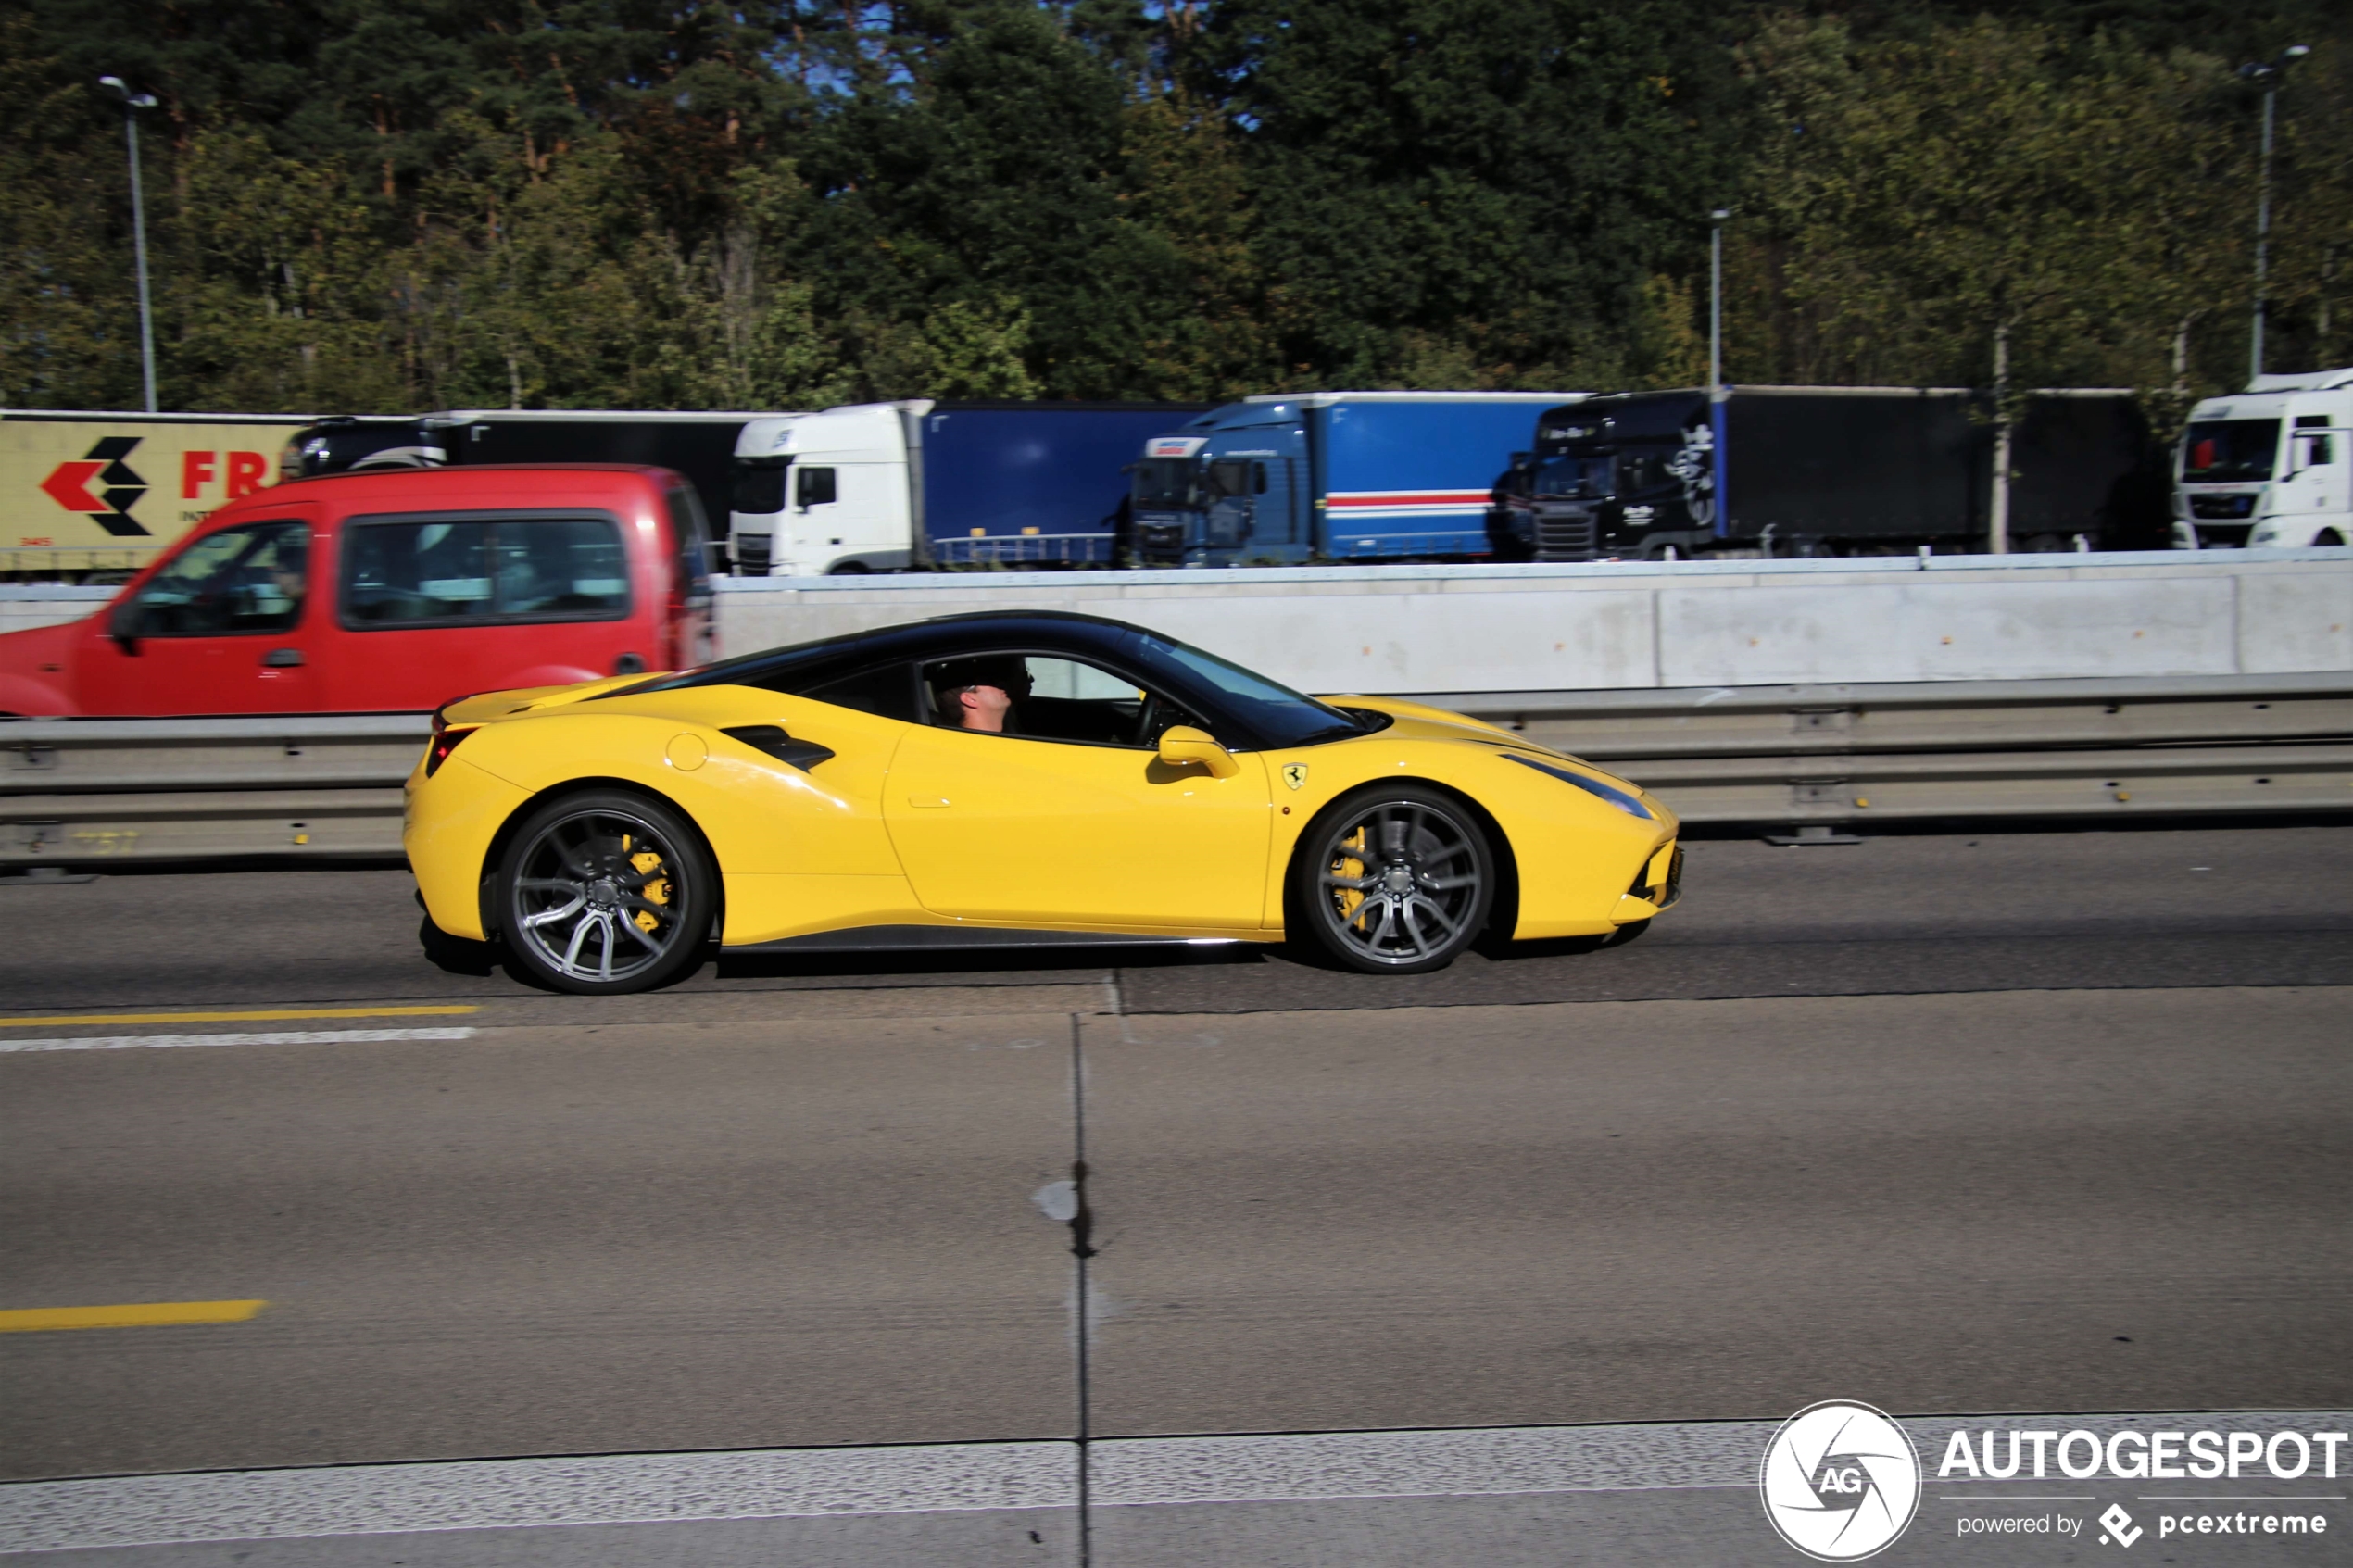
86 791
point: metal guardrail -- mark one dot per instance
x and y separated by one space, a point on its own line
84 791
1959 748
78 790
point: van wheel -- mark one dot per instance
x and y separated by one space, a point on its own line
605 892
2329 536
1395 880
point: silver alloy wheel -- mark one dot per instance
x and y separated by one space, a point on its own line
597 896
1400 882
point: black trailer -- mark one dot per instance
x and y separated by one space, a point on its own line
1827 470
699 446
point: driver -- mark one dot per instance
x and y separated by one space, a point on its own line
979 694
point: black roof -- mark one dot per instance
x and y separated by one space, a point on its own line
1147 656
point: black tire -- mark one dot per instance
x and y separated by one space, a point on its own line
1415 892
583 910
2329 536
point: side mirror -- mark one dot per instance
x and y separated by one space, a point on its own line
1182 746
123 621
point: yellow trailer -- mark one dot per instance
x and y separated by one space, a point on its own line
102 493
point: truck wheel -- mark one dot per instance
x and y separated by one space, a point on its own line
2329 536
1396 879
605 892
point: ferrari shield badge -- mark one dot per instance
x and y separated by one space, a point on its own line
1295 774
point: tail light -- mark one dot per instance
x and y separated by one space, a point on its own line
445 739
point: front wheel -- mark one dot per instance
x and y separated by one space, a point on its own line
1396 879
606 892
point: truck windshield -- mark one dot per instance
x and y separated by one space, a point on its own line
1584 477
760 486
1165 482
2224 451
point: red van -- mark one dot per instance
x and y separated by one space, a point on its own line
389 590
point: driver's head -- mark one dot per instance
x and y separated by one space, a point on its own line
976 694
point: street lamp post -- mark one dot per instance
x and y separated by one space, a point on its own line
132 104
1716 423
2269 75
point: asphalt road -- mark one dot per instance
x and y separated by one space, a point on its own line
2034 1122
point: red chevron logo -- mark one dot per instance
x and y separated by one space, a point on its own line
69 485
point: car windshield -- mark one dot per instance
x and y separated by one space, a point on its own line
1281 716
1165 482
2223 451
1585 477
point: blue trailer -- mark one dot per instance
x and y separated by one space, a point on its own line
1330 476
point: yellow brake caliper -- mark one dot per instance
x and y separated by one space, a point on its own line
657 891
1351 865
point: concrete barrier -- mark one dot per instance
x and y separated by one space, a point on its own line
25 605
1625 625
1634 625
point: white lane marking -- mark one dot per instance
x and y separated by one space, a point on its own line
509 1494
281 1038
1473 1461
946 1479
1432 1463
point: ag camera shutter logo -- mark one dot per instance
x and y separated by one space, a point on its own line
1840 1481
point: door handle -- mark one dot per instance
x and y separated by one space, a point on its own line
926 802
283 658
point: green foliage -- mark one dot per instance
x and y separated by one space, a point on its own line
379 204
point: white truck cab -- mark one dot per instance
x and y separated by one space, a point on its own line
824 494
2271 466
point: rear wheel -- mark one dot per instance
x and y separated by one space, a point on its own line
2328 536
1396 879
606 892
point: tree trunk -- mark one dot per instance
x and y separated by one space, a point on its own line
1997 521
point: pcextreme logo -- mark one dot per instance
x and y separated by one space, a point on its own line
1840 1481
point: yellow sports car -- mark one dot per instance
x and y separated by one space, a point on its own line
1000 778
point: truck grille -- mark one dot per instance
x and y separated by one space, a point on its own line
752 554
1161 541
1564 534
2221 506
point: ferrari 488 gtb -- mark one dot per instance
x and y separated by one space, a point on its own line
981 776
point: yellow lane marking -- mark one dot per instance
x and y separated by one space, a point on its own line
66 1021
142 1314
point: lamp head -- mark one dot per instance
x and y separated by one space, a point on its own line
120 89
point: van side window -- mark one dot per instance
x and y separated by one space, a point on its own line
813 487
237 581
694 544
468 571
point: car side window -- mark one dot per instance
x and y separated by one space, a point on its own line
427 572
887 692
237 582
1050 697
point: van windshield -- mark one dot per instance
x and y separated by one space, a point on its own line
2227 451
